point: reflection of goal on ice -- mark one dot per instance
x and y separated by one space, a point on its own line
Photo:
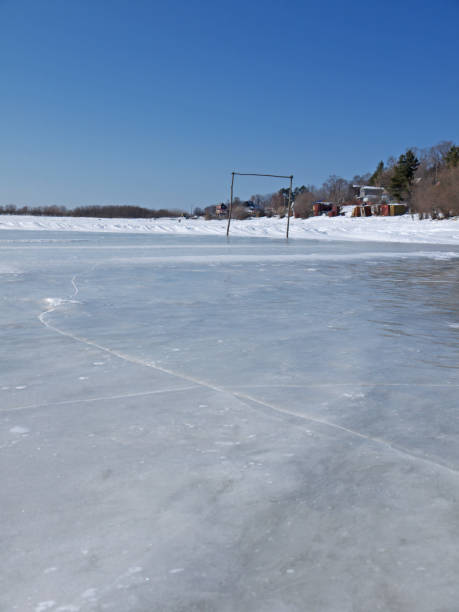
258 174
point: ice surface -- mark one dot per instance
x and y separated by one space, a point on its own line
194 424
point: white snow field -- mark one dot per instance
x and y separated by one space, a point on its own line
387 229
194 424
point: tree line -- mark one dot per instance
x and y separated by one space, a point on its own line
427 180
101 212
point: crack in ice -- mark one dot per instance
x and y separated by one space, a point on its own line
236 394
98 399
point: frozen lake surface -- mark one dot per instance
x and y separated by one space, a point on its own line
191 424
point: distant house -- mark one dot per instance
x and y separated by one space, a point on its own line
252 208
371 194
221 210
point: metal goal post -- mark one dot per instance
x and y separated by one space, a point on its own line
233 174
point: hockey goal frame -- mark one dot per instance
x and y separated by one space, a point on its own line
233 174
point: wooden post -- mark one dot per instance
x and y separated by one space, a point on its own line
231 205
289 204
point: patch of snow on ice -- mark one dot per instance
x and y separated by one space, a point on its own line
134 570
53 302
7 269
18 429
45 605
354 395
89 594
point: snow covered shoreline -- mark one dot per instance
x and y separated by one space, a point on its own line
404 229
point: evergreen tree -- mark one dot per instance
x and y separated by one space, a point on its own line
411 165
298 190
397 183
452 157
403 177
377 174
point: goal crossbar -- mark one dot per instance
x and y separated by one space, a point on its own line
257 174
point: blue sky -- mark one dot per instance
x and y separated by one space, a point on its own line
155 103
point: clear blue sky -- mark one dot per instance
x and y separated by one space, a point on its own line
154 103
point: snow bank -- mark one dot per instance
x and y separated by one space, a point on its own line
7 269
381 229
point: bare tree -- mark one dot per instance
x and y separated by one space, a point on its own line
439 199
258 200
337 189
277 202
361 179
303 204
432 160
